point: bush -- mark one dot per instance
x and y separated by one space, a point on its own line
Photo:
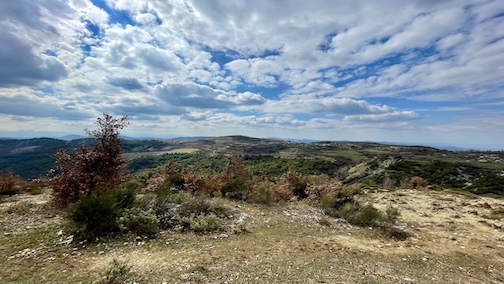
175 180
23 207
180 210
262 192
322 185
8 183
234 188
417 183
327 202
296 184
488 183
94 216
201 223
392 213
117 272
359 215
125 197
138 221
367 215
199 205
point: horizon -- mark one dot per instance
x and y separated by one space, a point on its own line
295 140
318 70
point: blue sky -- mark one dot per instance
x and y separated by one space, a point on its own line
421 72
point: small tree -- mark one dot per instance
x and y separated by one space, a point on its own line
91 170
8 182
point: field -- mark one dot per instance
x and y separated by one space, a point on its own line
454 238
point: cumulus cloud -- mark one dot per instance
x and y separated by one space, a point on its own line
19 66
328 105
130 84
26 105
306 65
200 96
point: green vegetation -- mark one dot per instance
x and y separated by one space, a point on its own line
117 272
240 209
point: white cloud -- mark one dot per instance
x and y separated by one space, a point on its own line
324 63
384 117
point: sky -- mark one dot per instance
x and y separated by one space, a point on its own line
418 71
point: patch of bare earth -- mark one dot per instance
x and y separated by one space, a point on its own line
453 240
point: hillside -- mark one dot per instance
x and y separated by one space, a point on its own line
245 210
454 238
351 162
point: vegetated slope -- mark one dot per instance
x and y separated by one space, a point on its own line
455 237
351 162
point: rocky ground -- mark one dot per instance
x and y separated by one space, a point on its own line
455 237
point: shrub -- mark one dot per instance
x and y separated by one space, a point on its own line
488 183
347 209
497 213
175 180
296 184
134 184
125 197
179 210
117 272
392 213
199 205
417 182
282 192
138 221
201 223
366 215
262 192
94 169
197 183
240 228
234 169
322 185
22 207
94 216
324 222
234 188
327 202
8 183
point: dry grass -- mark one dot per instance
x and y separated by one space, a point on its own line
287 244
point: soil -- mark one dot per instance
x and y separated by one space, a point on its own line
454 237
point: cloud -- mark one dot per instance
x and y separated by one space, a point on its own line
309 65
327 105
199 96
19 66
26 105
131 84
384 117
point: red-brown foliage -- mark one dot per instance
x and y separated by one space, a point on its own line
8 182
94 169
417 182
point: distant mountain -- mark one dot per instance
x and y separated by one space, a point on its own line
293 140
190 138
71 137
